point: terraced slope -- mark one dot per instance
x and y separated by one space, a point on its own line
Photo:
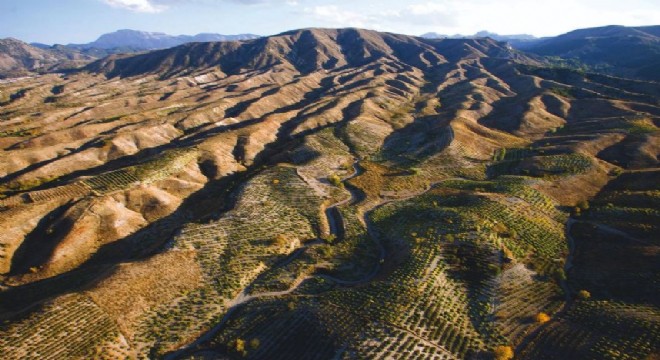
328 194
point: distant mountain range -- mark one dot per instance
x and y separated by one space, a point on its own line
144 40
515 40
18 58
481 34
618 50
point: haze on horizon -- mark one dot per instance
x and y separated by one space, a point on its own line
81 21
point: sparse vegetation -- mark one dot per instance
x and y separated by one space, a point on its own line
329 206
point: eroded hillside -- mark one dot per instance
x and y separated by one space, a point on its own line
329 194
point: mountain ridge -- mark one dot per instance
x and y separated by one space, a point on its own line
619 50
326 48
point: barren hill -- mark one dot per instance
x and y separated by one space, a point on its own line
329 193
302 51
18 58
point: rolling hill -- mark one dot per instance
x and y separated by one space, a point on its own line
329 193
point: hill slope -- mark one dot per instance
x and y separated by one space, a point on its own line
624 51
18 58
329 193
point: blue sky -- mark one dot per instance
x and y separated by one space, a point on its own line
80 21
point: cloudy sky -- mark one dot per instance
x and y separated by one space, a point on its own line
80 21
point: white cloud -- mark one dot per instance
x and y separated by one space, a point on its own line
429 13
397 17
143 6
332 15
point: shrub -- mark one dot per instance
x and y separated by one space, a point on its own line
542 318
346 166
503 352
500 228
494 269
240 345
560 275
330 238
562 91
57 89
507 254
642 127
583 205
616 172
335 180
584 295
280 240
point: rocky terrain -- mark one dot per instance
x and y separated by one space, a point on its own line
327 194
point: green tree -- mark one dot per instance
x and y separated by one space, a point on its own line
335 180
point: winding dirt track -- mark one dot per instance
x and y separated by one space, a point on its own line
244 297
